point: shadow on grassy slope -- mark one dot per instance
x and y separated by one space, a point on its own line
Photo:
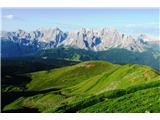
8 97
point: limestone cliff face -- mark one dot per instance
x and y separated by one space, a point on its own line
84 38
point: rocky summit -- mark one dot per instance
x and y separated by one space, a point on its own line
84 38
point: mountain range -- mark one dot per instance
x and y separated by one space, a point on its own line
84 38
81 45
48 70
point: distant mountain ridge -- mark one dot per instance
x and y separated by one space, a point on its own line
81 45
84 38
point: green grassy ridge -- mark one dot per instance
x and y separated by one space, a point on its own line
39 101
67 76
51 102
147 100
89 101
84 85
88 73
116 78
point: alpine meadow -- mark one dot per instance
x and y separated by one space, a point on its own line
80 60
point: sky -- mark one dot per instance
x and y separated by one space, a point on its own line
132 21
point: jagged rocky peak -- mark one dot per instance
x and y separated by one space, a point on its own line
49 30
96 39
95 31
50 34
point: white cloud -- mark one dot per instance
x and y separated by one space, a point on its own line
144 25
9 17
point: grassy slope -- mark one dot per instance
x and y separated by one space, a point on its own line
86 82
67 76
118 78
147 100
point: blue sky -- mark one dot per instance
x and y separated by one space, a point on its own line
128 20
